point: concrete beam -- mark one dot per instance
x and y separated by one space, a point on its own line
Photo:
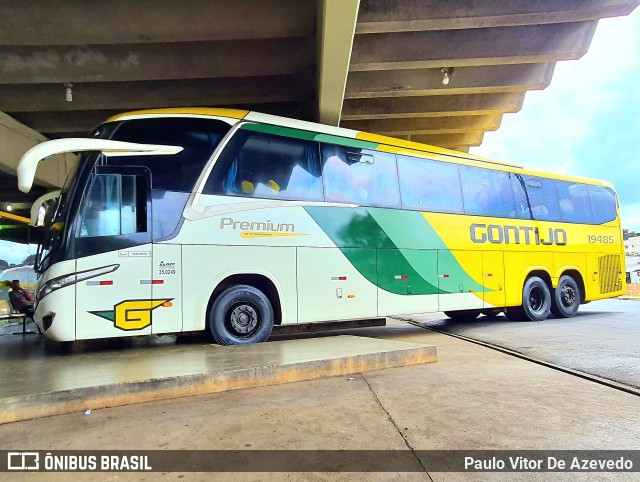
462 80
16 139
426 125
70 22
466 139
336 25
189 60
149 94
456 48
382 16
431 106
85 120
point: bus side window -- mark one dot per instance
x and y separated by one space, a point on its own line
603 203
262 165
573 200
543 198
429 185
358 176
487 192
520 196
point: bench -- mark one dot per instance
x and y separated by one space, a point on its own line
19 316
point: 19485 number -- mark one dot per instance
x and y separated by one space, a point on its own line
600 239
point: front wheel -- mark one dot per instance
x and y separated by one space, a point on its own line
566 298
241 315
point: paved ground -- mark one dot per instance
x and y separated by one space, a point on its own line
472 398
602 339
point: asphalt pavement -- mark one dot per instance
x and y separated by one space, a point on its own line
603 339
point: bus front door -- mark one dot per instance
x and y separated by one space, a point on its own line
113 236
117 303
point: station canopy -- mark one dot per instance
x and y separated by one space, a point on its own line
438 72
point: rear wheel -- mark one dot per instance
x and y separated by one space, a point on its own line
536 301
566 298
462 315
241 315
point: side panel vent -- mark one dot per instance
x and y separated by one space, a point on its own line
610 268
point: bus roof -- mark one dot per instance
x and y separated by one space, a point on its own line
385 143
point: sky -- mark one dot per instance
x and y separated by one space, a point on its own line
587 122
15 253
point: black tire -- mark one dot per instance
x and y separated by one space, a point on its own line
536 302
241 315
566 298
463 315
515 313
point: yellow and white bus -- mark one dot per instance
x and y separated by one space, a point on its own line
230 221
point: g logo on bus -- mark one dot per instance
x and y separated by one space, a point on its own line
131 315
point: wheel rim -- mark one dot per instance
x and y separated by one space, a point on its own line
567 296
242 319
536 299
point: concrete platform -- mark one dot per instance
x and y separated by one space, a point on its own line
473 398
36 383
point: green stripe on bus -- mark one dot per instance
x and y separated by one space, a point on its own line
346 141
280 131
413 233
310 136
360 238
396 250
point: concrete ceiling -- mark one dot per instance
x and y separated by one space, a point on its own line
372 65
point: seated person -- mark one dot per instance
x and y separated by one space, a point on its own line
21 300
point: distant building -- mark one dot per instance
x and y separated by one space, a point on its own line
633 270
632 246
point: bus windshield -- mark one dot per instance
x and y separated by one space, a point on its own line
55 220
173 177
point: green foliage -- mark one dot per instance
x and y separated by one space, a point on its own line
29 260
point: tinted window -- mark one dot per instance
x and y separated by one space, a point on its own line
520 196
543 198
573 202
178 172
603 203
487 192
261 165
359 176
429 185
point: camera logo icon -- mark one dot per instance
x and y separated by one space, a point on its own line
23 461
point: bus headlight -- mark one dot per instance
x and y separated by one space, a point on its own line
70 279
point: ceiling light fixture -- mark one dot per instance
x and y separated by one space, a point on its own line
446 72
68 92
